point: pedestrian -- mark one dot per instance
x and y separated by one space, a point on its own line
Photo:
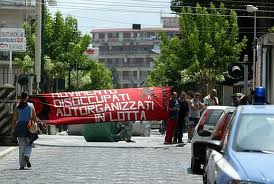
195 108
236 97
211 98
247 99
23 113
174 108
181 123
126 129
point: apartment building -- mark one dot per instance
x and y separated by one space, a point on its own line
170 22
129 51
13 13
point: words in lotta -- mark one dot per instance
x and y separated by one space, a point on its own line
132 104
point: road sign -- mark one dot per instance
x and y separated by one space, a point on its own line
12 39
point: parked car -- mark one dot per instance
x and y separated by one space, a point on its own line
218 132
202 132
245 154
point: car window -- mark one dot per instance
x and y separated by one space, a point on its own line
255 132
213 116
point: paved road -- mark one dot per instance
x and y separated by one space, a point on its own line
101 165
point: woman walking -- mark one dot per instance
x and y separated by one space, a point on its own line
22 114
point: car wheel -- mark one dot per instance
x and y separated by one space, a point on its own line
195 165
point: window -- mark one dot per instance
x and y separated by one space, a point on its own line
4 55
255 132
101 35
109 35
143 75
126 85
126 35
134 75
125 75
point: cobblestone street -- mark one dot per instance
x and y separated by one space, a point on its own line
53 164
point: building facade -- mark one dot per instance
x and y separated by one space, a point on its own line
170 22
13 13
129 52
265 65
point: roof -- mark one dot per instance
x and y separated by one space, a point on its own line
220 107
256 109
152 29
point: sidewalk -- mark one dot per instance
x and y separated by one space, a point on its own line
5 150
154 141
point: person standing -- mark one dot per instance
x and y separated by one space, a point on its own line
211 98
181 123
22 115
174 108
195 108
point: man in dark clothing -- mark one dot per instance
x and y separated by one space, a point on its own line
174 108
181 123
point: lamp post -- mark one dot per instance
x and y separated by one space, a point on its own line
253 9
40 41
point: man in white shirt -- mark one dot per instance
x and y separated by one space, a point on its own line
211 99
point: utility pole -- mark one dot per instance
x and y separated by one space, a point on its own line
245 63
40 42
38 53
43 77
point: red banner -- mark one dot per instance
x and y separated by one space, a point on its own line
131 104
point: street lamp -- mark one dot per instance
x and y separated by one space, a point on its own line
253 9
39 45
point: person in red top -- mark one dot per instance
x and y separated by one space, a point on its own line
174 108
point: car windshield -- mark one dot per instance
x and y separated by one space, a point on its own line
255 133
214 116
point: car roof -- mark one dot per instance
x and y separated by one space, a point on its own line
257 109
220 107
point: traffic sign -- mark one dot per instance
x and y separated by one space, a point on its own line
12 39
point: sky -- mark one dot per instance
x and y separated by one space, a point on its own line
95 14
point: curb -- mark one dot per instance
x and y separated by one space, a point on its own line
97 146
118 146
7 151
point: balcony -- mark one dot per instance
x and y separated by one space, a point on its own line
128 65
9 4
128 40
127 53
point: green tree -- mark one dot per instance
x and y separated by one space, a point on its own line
98 77
63 53
208 42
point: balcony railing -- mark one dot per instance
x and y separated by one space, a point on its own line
133 52
17 3
140 39
126 65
